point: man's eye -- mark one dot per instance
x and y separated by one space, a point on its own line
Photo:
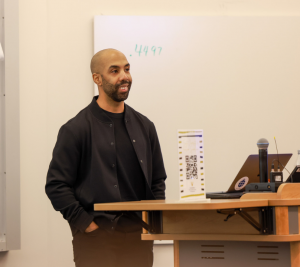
114 71
127 69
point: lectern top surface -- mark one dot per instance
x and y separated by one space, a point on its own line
181 205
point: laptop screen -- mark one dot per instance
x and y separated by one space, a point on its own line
295 174
249 173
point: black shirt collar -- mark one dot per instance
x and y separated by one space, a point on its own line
113 115
101 115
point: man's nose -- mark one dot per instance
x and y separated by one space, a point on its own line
124 76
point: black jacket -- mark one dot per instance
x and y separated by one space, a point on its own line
83 168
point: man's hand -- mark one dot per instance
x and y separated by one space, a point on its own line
91 227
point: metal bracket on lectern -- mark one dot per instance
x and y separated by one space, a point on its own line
265 226
154 219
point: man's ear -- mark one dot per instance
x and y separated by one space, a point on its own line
97 79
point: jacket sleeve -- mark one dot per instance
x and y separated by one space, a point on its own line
61 178
159 175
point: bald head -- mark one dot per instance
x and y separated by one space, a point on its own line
103 58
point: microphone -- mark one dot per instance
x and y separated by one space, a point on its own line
262 145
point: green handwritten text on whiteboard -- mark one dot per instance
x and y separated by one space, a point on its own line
147 50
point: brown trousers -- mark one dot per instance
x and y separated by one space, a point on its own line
102 249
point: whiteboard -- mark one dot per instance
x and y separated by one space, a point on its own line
237 78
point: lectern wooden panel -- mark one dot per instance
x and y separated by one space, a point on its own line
258 229
206 222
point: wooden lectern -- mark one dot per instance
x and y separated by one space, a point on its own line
260 229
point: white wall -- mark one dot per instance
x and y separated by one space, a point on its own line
2 138
56 44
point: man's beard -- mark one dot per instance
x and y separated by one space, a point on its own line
112 90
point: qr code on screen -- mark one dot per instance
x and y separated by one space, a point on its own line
191 167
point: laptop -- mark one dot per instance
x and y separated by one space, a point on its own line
295 175
249 173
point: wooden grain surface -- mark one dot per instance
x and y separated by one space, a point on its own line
289 191
271 195
206 222
284 202
295 254
145 219
282 220
260 238
181 205
176 253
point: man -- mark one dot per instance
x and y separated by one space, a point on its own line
107 153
